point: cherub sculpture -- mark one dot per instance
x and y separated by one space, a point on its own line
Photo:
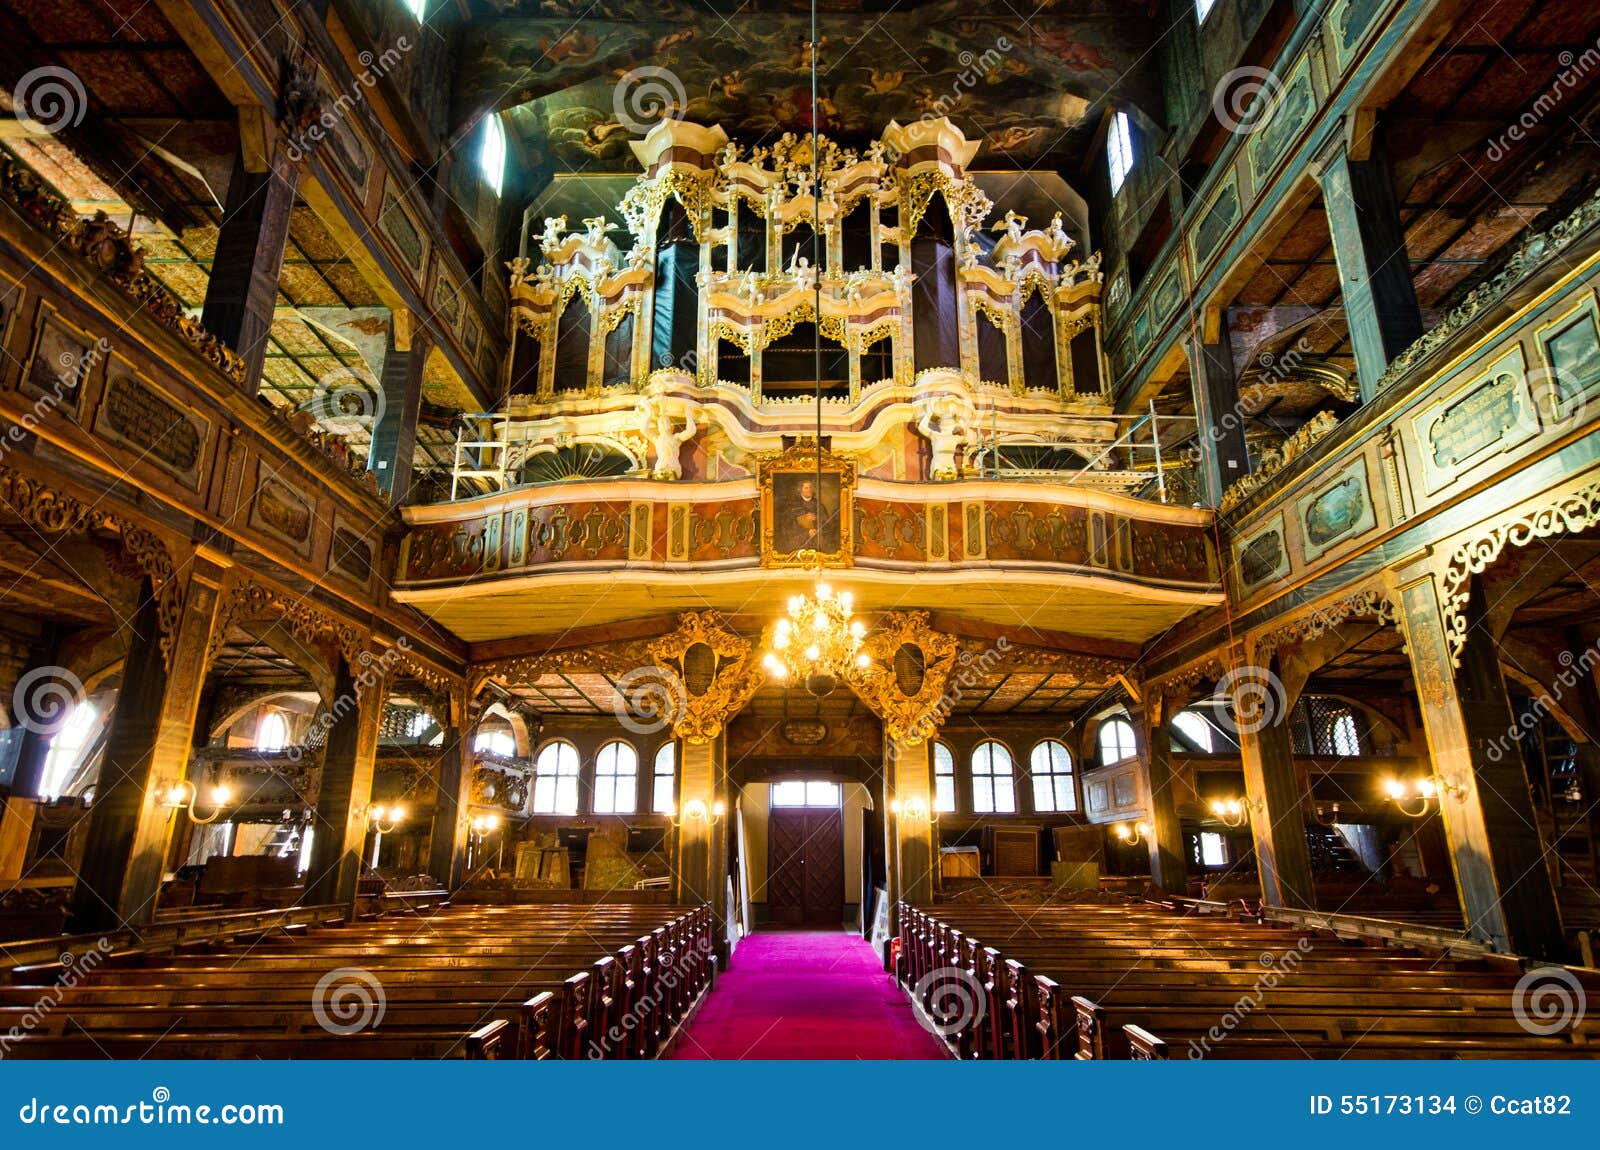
550 239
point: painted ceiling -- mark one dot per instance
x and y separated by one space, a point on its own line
585 78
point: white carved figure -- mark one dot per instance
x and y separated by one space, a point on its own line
944 426
666 438
805 276
1058 236
554 226
594 231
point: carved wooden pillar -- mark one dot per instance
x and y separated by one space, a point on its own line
1274 797
243 288
447 843
1369 245
701 872
908 771
1169 868
1488 814
146 752
349 760
1224 459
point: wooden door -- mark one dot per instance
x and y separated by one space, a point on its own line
805 869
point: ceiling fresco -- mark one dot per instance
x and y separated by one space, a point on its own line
1028 87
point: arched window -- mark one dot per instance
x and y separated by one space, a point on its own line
492 156
1119 150
1196 729
1344 735
994 790
272 732
1116 742
555 780
67 747
616 779
502 743
944 779
663 797
1050 764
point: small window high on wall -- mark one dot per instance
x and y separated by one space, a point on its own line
272 732
501 744
418 8
944 779
492 154
994 787
1202 9
616 779
555 780
1196 729
68 746
1116 742
1119 149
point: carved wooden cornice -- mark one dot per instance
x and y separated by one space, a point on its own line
906 652
372 662
1314 429
735 675
1368 603
52 512
1561 513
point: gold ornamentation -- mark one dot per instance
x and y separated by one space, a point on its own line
734 674
1314 429
1367 603
907 719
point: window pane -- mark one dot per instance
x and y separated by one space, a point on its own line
566 796
661 800
944 794
1005 795
1213 849
791 793
626 801
544 794
944 762
1066 795
822 794
605 789
1043 794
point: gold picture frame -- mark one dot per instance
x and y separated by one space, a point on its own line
794 533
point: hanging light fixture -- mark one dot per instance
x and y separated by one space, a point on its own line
818 642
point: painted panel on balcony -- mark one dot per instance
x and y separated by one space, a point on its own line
1262 557
1491 414
1282 122
1570 350
1219 217
1337 512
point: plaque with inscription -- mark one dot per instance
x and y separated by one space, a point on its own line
138 415
1476 421
352 555
397 224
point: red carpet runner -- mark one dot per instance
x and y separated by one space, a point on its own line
806 995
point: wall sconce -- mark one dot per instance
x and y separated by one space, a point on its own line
181 796
385 819
1411 797
1232 813
1135 833
483 824
914 811
695 811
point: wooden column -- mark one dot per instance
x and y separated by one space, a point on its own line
1380 299
348 762
1277 813
1506 895
1169 869
394 431
243 289
146 753
1224 460
915 854
447 844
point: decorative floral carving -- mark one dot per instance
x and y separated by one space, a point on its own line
1369 602
1272 462
907 718
1566 513
734 674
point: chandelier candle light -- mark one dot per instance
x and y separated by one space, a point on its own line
818 642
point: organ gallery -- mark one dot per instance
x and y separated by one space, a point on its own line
531 532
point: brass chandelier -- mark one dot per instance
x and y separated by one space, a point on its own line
817 643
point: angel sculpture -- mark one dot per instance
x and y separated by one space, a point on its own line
594 230
554 226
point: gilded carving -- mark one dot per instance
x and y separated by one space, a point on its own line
907 718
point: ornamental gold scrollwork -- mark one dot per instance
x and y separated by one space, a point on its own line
908 718
713 686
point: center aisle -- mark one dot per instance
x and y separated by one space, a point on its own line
792 994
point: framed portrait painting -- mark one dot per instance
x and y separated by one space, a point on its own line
807 512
